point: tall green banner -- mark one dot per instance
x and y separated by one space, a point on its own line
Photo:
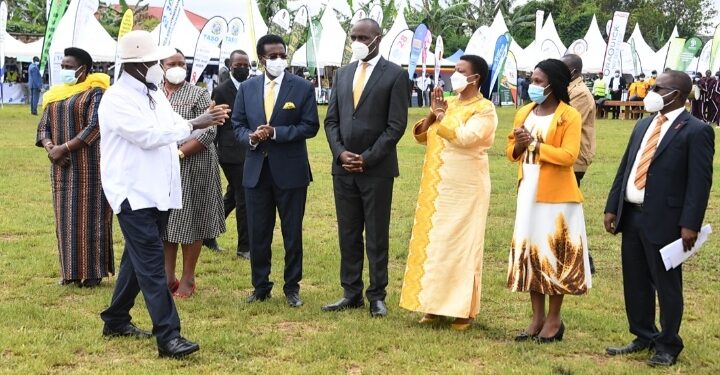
714 61
690 50
313 45
673 54
57 10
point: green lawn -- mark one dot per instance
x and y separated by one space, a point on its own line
47 328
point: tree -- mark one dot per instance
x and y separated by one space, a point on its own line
268 8
26 16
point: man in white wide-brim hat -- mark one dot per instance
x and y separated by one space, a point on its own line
140 173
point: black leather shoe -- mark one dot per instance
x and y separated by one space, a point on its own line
243 254
344 303
293 299
211 243
129 330
661 359
378 309
177 348
257 297
592 265
632 347
524 336
557 337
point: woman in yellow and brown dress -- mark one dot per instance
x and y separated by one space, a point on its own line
444 267
549 255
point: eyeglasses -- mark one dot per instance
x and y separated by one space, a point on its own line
276 56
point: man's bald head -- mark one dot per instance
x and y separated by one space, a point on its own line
371 24
677 80
574 63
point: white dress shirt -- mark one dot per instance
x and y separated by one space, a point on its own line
632 193
138 147
368 71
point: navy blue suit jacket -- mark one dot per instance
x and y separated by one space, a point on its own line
295 119
678 181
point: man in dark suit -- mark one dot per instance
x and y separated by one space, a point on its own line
35 83
617 85
659 195
231 153
277 170
366 118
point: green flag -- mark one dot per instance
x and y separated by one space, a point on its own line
57 10
313 44
299 27
673 54
690 50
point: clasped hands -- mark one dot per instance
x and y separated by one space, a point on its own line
59 155
262 133
351 162
215 115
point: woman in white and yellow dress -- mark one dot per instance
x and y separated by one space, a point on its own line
548 255
444 267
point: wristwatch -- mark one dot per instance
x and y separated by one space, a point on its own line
531 147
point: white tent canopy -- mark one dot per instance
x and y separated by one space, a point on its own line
645 53
94 39
398 26
21 51
658 61
596 46
332 40
547 44
184 36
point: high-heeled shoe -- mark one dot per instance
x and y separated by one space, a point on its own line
185 296
428 319
557 337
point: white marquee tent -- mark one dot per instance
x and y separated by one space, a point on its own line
645 53
21 51
94 39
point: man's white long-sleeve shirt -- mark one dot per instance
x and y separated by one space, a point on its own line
138 147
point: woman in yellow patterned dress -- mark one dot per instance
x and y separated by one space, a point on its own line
548 255
444 267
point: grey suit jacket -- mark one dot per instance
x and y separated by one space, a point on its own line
374 128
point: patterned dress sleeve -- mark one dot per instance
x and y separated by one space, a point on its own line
478 129
91 132
43 129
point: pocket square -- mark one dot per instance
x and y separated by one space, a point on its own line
289 105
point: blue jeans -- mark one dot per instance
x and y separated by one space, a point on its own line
34 98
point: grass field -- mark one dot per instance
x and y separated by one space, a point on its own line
52 329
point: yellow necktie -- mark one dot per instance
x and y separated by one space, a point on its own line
648 153
269 101
359 83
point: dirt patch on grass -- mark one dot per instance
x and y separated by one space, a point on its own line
354 370
297 328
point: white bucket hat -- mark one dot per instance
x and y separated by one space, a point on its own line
139 46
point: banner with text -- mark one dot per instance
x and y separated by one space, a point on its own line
612 61
417 46
280 23
232 40
502 46
170 16
207 45
672 58
690 50
508 81
297 32
85 10
439 52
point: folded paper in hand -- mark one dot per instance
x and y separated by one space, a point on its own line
673 254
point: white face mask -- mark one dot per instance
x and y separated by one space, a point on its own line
175 75
654 102
154 75
361 50
275 67
459 82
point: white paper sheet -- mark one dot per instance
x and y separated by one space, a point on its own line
673 254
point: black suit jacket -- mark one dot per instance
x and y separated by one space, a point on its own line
229 150
374 128
678 181
623 83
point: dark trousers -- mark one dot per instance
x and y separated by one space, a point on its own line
262 201
143 269
34 98
419 97
616 95
362 203
643 275
234 199
578 177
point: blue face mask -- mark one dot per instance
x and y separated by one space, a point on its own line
67 76
537 93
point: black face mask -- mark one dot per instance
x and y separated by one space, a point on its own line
240 73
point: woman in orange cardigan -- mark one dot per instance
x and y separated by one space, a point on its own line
549 253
